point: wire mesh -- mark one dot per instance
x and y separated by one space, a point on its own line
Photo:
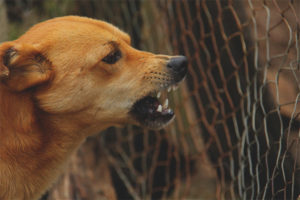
238 112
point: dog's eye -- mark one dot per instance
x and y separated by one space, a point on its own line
112 57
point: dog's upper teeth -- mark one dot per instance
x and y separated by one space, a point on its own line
174 87
169 89
166 104
159 108
158 94
169 110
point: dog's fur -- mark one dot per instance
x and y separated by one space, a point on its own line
56 90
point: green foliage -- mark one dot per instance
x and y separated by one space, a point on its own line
55 8
14 31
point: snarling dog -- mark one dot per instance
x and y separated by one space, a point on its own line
63 80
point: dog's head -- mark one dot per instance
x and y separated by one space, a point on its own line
87 69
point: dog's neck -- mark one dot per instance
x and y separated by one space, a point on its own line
27 147
23 125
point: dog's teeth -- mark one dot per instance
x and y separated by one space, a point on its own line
169 110
159 109
166 104
169 89
174 87
158 94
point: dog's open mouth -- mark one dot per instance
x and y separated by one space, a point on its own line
153 110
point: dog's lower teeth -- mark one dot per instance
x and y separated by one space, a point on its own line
158 94
166 103
159 109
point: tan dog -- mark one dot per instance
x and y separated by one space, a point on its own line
66 79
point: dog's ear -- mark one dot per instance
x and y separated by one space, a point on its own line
22 66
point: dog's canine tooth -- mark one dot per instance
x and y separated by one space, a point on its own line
158 94
159 108
169 89
166 103
169 110
174 87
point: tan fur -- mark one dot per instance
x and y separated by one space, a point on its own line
55 91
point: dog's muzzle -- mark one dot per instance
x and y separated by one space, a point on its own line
149 111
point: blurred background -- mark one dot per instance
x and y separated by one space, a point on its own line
237 128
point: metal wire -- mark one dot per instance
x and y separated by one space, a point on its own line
233 114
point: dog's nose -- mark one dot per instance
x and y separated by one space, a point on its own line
178 65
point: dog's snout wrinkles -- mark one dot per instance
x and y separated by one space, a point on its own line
178 65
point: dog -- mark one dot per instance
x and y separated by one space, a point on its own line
68 78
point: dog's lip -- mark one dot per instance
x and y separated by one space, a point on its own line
167 88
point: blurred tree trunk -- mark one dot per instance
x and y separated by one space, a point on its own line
3 22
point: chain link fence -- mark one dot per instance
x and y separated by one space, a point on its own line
236 132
